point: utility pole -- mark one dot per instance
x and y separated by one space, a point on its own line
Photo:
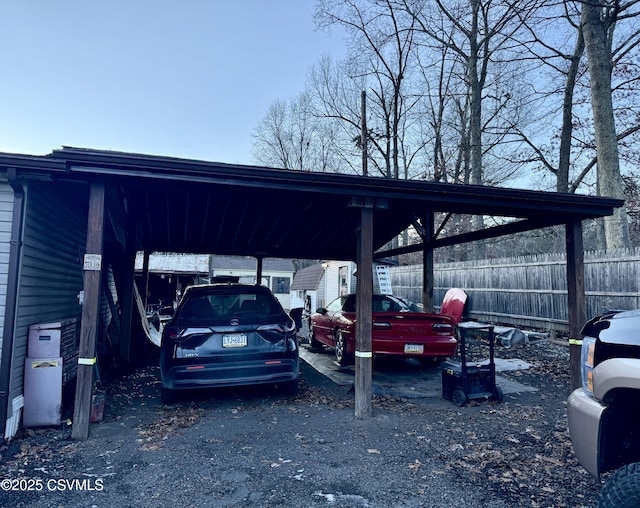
363 132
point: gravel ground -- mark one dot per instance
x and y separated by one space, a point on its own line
257 447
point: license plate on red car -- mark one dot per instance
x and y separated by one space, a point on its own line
414 348
234 340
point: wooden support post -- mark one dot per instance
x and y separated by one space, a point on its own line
576 297
427 263
90 313
145 278
127 294
259 271
363 353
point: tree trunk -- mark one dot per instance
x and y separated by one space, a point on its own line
609 179
475 127
562 181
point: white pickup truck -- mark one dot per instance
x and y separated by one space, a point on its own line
604 415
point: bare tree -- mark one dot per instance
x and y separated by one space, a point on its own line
335 105
598 21
381 61
480 33
290 136
570 155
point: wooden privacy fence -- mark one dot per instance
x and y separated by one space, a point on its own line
529 290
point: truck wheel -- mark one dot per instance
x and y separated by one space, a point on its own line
622 489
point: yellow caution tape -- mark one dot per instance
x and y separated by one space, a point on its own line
364 354
86 361
575 342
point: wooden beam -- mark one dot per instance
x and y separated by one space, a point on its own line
145 277
363 353
492 232
576 297
90 313
427 264
127 294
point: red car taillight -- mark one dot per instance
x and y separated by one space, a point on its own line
442 328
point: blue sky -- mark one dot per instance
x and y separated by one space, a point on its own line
182 78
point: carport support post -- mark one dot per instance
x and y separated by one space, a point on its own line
576 297
259 271
90 313
145 278
128 289
427 263
363 353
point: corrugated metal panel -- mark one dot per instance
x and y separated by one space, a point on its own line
6 216
51 270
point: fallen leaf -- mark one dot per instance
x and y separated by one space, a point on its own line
415 466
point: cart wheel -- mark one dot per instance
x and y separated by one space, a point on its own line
499 394
459 398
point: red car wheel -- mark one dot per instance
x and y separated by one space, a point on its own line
342 357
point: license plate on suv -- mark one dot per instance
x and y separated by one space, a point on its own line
414 348
234 340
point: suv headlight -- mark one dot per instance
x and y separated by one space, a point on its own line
586 361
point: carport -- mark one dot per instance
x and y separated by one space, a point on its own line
152 203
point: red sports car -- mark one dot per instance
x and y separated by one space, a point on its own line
397 330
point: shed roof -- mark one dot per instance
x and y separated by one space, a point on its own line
307 278
175 263
182 205
249 263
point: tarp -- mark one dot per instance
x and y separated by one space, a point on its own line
453 304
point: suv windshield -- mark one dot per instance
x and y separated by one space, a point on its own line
218 308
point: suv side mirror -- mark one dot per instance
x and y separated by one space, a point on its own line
321 310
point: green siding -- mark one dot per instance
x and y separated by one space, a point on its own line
51 269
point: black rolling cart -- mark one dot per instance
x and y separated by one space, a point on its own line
467 379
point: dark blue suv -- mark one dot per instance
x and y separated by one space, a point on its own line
228 335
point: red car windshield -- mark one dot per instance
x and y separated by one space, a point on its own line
380 303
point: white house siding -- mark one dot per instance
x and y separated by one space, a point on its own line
330 285
336 287
249 277
53 243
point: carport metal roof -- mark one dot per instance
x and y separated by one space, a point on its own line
194 206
